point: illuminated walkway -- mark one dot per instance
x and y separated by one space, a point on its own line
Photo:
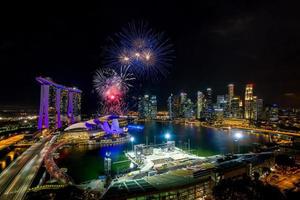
271 131
258 130
52 168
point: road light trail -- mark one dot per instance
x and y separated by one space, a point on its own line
18 188
10 141
7 176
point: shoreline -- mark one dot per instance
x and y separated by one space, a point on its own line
202 124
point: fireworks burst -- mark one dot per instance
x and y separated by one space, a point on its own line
112 88
145 51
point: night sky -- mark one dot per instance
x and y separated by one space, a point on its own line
215 44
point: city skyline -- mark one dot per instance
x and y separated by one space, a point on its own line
230 46
144 100
161 103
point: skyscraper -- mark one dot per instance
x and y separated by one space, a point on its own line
200 104
273 114
241 109
183 98
209 104
221 102
188 109
57 101
141 107
209 98
235 107
147 107
248 114
254 108
230 96
144 107
176 107
153 107
260 108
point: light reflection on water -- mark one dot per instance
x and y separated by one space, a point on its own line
86 162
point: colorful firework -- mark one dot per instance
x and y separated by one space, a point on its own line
145 51
112 88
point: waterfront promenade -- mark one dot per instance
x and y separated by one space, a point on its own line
255 129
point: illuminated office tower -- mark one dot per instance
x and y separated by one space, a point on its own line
257 108
248 114
221 102
209 104
200 104
209 98
241 113
176 107
273 113
153 107
188 109
183 97
143 106
260 108
147 107
230 96
254 108
235 107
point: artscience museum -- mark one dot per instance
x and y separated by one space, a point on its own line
102 128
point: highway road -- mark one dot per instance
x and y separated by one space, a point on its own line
10 141
19 186
28 158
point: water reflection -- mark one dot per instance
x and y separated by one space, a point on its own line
205 140
86 162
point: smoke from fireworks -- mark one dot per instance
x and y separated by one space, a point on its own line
145 51
112 88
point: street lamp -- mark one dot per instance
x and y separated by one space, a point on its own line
167 136
131 166
132 140
238 136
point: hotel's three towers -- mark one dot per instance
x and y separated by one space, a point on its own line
58 104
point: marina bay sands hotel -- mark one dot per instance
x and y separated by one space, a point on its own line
58 104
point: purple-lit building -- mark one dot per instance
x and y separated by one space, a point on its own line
58 104
108 125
